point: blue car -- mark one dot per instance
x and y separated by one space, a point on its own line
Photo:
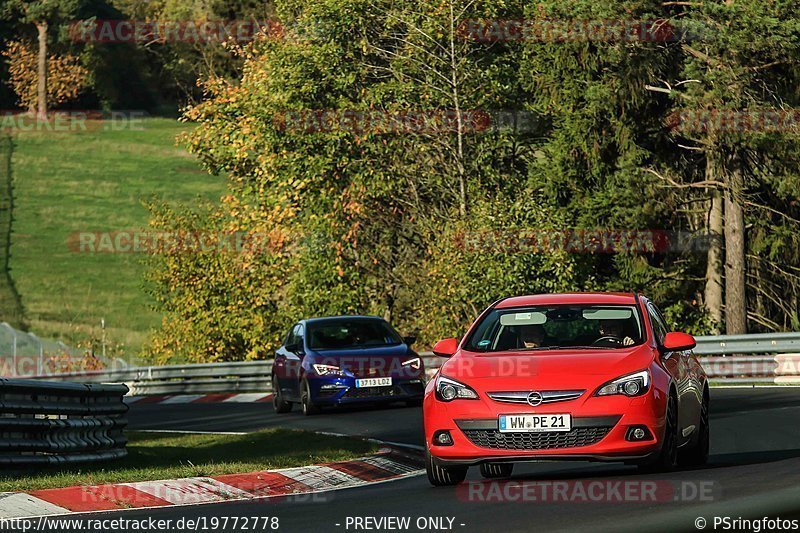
345 360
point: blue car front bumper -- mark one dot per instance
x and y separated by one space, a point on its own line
343 390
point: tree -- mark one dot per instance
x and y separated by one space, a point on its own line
371 210
712 75
43 14
187 62
608 136
745 65
65 74
428 64
426 226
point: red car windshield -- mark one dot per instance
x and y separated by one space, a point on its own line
557 327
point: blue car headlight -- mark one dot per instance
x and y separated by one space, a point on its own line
414 363
328 370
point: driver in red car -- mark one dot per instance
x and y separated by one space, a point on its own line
614 328
532 336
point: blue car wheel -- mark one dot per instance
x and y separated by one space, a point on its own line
305 400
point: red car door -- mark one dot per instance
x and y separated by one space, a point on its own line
677 364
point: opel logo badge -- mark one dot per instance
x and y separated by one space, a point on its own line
535 398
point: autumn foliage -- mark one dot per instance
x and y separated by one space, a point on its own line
66 77
375 220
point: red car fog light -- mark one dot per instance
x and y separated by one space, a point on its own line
638 434
442 438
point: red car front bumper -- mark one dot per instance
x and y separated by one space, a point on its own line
599 429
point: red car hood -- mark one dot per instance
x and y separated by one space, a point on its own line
552 369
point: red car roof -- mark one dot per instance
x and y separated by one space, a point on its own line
618 298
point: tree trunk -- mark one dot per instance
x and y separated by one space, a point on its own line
389 304
735 302
713 289
41 90
462 179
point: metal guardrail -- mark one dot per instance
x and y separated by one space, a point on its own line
716 354
756 343
207 378
43 423
778 369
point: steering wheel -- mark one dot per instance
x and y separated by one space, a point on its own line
607 338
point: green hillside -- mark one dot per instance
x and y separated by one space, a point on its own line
96 181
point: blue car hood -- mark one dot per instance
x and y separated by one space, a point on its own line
397 350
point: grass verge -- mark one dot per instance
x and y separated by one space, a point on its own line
154 456
94 181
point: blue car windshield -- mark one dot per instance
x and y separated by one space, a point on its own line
343 333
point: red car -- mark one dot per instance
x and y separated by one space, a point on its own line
586 376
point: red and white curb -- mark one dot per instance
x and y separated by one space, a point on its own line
249 397
387 464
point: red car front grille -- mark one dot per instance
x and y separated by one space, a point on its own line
493 439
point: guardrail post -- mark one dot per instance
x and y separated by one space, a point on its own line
41 354
14 352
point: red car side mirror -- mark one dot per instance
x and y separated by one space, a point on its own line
446 347
678 342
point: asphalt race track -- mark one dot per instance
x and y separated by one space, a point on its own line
754 471
393 423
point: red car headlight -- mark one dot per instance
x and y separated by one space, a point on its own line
634 384
448 390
